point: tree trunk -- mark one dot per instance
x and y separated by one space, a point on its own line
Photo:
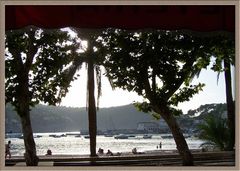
91 109
30 147
180 141
24 113
230 103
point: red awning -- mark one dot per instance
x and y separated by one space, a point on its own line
203 18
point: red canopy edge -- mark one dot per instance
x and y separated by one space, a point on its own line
203 18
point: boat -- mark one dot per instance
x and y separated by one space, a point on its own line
34 136
73 133
37 136
86 136
57 135
63 135
121 136
167 136
78 136
108 135
146 136
13 135
52 135
131 136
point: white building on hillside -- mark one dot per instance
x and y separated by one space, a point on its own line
150 127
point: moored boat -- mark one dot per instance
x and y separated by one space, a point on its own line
146 136
87 136
121 136
167 136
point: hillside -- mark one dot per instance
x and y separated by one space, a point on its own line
64 119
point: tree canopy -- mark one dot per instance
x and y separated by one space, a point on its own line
40 57
158 65
155 64
35 60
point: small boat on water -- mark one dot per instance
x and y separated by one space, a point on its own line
57 135
121 136
13 135
34 136
87 136
72 134
37 136
108 135
131 136
146 136
166 136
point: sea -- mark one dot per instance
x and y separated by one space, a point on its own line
69 144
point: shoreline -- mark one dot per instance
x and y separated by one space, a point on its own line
122 154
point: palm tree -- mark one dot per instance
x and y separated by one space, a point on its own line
215 132
91 58
230 103
222 49
224 52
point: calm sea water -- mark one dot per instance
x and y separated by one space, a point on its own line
80 145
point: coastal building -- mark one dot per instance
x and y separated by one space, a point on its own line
148 127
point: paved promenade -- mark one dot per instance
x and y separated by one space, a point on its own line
149 158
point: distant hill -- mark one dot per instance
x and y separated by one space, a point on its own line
62 119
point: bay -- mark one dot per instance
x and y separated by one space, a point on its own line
71 145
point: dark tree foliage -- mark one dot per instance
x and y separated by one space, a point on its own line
34 60
223 50
43 56
215 132
168 60
158 65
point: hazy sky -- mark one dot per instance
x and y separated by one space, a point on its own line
212 92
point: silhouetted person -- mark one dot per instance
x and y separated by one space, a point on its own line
134 151
160 145
49 152
7 150
100 151
109 153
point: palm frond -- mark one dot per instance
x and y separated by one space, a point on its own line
218 75
215 131
69 75
99 83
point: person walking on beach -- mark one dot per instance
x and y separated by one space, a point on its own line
160 145
7 150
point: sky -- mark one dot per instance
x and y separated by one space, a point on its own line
213 92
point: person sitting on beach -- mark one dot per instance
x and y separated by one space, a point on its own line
100 151
7 150
109 153
134 151
160 145
49 152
